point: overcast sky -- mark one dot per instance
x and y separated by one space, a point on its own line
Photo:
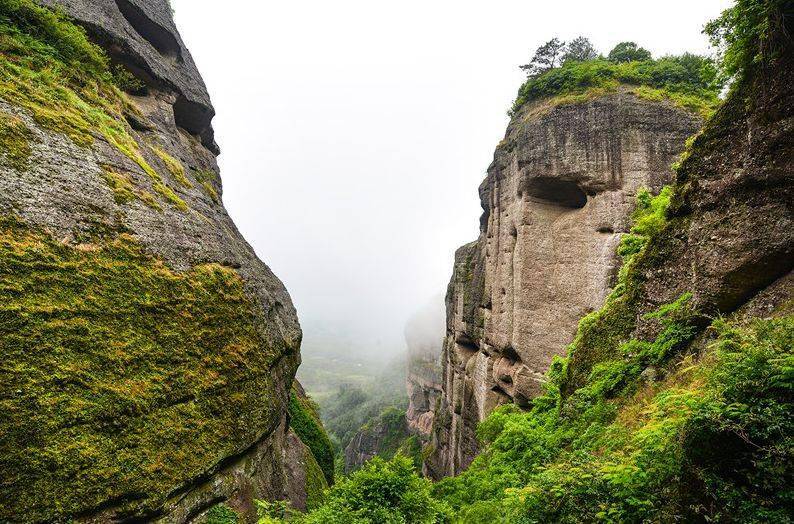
355 133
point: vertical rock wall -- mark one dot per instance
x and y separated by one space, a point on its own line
423 338
148 352
556 200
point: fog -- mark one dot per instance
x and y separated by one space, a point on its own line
354 134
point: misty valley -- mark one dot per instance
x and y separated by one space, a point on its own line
615 343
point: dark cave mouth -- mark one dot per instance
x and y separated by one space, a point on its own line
563 193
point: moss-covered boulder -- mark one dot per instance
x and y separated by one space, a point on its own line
148 353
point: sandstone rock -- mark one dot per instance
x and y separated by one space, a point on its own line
423 338
556 200
200 420
382 436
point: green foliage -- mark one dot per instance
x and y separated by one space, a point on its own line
648 219
687 80
352 406
739 442
380 493
49 68
120 375
745 33
305 421
580 49
15 139
54 38
628 52
221 514
712 441
547 57
205 178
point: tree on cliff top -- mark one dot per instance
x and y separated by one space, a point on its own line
547 57
579 49
628 52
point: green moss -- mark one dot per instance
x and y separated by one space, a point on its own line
704 106
316 483
166 192
173 165
121 379
124 190
205 178
221 514
305 421
49 68
15 139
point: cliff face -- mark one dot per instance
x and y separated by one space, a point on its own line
423 338
148 352
383 436
557 199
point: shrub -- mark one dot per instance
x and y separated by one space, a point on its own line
380 492
674 76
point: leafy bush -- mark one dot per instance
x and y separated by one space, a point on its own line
628 52
689 75
222 514
380 492
745 33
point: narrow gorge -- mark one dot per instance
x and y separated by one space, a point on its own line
616 345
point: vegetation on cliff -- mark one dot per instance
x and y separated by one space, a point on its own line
689 81
119 375
123 380
665 413
305 421
49 68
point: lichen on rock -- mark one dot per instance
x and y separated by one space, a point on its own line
148 352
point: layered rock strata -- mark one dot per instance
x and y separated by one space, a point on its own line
557 199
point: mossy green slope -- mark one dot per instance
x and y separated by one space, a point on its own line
305 421
121 379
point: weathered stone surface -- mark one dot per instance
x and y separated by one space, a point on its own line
381 436
63 191
557 198
141 35
424 333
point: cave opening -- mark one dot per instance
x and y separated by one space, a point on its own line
563 193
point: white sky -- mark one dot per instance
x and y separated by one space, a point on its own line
355 133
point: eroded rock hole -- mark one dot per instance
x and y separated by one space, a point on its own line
161 39
560 192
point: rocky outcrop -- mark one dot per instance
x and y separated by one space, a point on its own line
147 352
557 199
423 337
382 436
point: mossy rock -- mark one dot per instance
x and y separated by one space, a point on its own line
304 419
121 379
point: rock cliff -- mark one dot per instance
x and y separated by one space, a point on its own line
423 337
383 436
148 353
557 199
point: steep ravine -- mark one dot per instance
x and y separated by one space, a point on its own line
148 354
